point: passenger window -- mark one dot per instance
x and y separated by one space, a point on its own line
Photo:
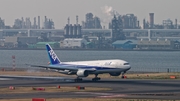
126 63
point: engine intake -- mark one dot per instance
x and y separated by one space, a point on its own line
115 74
82 73
67 72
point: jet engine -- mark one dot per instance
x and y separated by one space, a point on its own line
115 74
67 72
82 73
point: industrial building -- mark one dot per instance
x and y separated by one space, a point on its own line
130 21
168 24
41 45
159 44
10 42
146 44
149 24
117 29
48 23
122 28
125 44
20 42
91 22
2 24
27 40
71 31
27 24
22 24
151 20
176 44
74 43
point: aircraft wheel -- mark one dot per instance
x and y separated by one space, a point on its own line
96 79
93 79
78 80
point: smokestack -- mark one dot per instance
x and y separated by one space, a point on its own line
39 22
176 26
138 24
23 23
144 24
76 20
151 19
68 20
71 30
45 19
45 22
35 27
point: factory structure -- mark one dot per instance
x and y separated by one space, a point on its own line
2 24
117 29
27 24
73 31
124 32
129 21
91 22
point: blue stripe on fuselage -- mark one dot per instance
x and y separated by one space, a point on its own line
82 67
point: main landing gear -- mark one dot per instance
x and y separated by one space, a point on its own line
93 79
96 78
78 79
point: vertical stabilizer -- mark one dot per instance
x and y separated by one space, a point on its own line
52 55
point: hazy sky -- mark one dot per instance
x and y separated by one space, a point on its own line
60 10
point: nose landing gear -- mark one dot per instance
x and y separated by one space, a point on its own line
123 76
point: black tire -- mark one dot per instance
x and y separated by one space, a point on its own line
78 80
96 79
93 79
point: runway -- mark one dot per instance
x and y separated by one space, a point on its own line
121 88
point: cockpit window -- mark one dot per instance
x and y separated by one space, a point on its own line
126 63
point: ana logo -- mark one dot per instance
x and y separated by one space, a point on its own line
53 55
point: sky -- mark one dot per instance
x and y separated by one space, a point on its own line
60 10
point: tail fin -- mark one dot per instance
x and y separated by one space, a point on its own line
52 55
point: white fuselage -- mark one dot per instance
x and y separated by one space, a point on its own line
103 66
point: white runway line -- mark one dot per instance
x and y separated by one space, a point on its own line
5 79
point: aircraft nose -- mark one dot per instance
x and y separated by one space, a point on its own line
129 67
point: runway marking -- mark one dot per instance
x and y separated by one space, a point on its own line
112 96
104 95
5 79
94 93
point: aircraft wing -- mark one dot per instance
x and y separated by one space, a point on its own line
66 67
55 67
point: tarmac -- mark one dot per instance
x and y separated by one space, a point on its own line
121 88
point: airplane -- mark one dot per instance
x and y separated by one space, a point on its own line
114 67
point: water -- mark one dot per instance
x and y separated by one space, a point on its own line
156 61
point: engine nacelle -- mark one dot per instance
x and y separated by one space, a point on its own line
115 74
82 73
67 72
